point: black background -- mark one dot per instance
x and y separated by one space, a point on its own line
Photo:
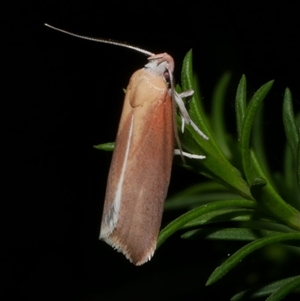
61 95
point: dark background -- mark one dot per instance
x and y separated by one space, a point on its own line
61 95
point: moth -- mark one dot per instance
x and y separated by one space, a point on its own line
140 170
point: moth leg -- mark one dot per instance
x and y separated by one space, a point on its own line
185 115
188 155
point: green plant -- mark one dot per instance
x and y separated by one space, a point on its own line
243 199
241 187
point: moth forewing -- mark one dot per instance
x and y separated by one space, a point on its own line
140 170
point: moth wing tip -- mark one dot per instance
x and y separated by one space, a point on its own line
147 257
128 252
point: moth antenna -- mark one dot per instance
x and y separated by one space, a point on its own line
99 40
